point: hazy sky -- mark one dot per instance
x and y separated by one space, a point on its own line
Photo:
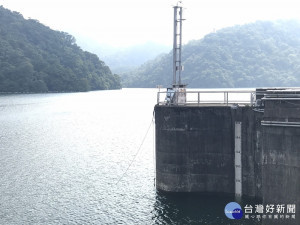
129 22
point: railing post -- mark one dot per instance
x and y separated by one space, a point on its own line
158 97
252 98
226 97
198 97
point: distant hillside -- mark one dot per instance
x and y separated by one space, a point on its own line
252 55
121 60
130 58
34 58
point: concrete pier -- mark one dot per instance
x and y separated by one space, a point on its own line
198 148
195 149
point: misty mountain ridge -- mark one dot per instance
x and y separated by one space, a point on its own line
124 59
258 54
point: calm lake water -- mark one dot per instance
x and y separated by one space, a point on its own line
62 157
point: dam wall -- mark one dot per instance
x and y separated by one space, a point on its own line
281 151
249 150
195 149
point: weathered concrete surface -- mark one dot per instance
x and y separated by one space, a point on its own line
281 157
194 149
251 150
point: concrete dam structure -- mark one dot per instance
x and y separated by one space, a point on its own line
248 149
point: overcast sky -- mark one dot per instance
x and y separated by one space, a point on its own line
130 22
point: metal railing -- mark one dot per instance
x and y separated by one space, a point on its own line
212 97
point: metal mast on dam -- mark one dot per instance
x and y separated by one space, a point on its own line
176 94
177 43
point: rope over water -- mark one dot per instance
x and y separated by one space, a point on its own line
134 157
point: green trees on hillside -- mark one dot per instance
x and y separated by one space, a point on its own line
252 55
34 58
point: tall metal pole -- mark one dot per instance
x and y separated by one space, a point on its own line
177 43
180 44
178 89
175 47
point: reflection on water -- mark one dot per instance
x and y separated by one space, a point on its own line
197 208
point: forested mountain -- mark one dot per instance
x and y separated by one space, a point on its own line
251 55
34 58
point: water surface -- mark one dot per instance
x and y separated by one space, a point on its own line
62 157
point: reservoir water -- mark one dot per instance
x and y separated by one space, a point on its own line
63 159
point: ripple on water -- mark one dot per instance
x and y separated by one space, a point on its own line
62 155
